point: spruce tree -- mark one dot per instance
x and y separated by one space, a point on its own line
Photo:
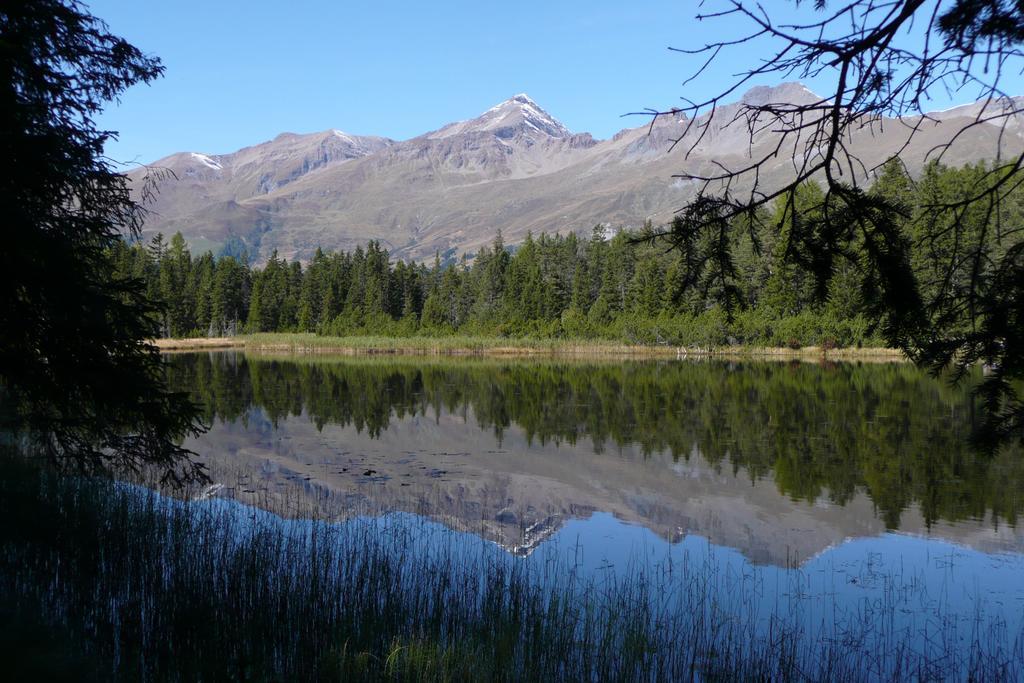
78 379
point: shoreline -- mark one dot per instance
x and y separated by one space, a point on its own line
199 343
485 346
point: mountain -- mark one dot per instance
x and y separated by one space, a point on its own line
515 117
515 168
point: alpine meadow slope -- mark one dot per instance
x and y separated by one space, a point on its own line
515 168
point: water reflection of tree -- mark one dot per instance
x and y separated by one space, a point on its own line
888 430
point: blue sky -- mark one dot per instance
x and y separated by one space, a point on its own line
239 73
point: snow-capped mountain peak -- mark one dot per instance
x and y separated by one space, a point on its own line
517 115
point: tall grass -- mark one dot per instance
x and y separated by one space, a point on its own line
149 587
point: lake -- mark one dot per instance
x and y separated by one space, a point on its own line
842 497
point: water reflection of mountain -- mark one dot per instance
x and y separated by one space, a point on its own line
778 461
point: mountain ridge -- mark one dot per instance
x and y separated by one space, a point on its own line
514 167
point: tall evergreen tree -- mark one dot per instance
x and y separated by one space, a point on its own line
78 380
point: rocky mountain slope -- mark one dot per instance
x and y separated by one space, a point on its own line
514 167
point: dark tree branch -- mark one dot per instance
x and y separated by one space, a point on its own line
886 61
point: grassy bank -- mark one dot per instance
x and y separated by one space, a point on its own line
199 343
497 346
141 586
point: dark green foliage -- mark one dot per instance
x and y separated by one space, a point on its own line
844 282
78 381
937 269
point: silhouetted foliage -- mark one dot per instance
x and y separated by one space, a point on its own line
78 380
887 59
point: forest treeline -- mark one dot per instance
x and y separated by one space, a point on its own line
610 286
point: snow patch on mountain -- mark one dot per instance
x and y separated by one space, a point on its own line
206 161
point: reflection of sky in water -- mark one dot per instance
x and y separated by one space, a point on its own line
864 594
919 574
828 568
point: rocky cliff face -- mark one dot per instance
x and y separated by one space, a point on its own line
515 168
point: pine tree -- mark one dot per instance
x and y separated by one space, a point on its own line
81 383
229 296
791 288
645 290
201 292
580 287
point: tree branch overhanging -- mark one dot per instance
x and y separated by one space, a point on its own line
886 61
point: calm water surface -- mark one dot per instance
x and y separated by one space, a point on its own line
804 489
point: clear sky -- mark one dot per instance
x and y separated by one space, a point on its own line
239 73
